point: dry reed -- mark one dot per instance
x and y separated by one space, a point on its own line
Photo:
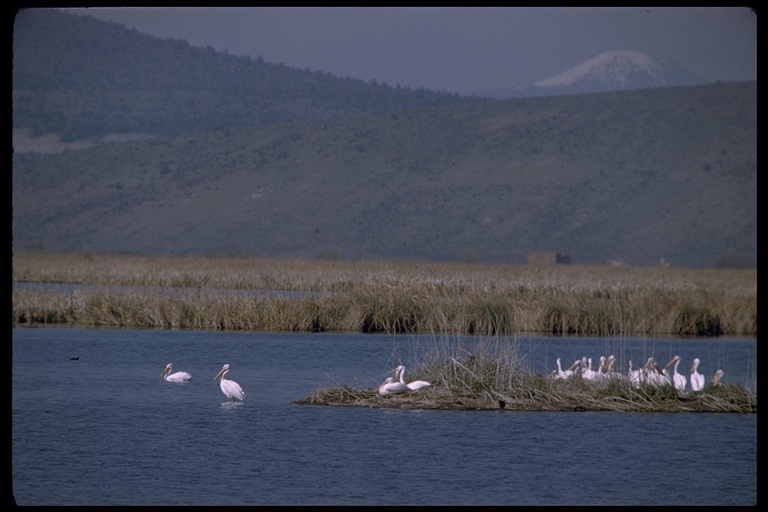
383 297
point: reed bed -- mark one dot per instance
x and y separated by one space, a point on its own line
383 297
492 376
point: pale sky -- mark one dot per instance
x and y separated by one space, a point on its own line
461 49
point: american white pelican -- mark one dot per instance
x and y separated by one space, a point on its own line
587 372
634 376
646 371
392 387
413 386
697 379
609 373
563 374
174 377
230 388
716 379
678 379
656 376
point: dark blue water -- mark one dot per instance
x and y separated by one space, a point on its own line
106 430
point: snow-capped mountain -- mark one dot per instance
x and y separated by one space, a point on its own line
609 71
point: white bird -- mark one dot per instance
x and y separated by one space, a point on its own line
646 371
392 387
413 386
563 374
716 379
230 388
609 371
174 377
587 372
697 379
634 376
678 379
656 376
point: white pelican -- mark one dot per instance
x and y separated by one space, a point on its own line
392 387
609 371
656 376
697 379
563 374
678 379
646 371
634 376
174 377
413 386
716 379
587 372
230 388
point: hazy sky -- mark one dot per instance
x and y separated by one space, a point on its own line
462 49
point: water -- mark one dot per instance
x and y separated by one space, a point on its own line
105 429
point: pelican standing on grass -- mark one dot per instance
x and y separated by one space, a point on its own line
697 379
174 377
230 388
560 373
678 379
392 387
716 379
413 386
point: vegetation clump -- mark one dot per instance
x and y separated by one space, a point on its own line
493 378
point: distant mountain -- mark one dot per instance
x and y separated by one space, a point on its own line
609 71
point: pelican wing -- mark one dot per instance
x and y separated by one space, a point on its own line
418 384
232 389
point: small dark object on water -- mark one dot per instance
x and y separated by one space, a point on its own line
74 358
502 404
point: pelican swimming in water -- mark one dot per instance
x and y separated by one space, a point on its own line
697 379
230 388
174 377
392 387
413 386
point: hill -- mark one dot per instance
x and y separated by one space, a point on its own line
633 176
86 79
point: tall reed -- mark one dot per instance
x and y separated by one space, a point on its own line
383 297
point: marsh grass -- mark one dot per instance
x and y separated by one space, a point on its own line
492 375
384 297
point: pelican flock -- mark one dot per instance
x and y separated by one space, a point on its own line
650 374
230 388
174 377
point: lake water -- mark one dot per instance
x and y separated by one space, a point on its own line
105 429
